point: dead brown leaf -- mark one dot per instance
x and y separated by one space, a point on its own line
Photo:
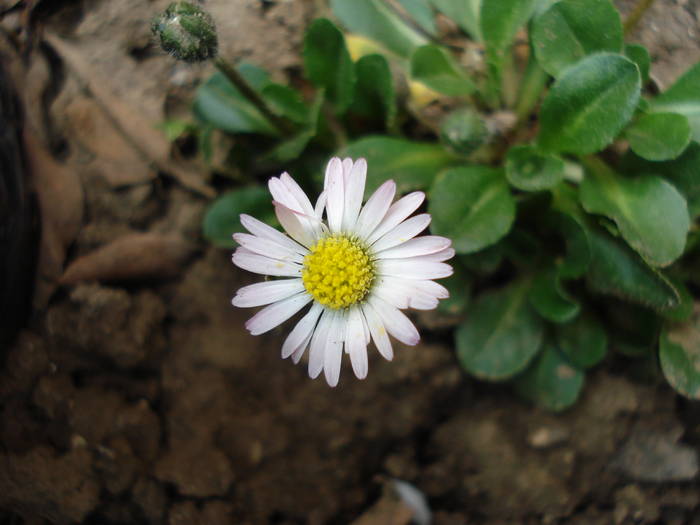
141 133
130 257
114 158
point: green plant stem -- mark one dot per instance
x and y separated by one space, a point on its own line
248 92
509 80
531 88
595 165
334 126
636 15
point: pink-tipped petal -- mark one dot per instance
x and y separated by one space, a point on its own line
294 225
336 195
267 292
396 322
276 314
440 256
333 357
347 166
354 193
375 209
299 195
398 212
260 229
256 263
409 269
303 328
267 247
403 232
317 348
425 245
356 344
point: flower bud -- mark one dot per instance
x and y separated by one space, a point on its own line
187 32
463 131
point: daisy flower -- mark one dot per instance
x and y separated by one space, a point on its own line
359 268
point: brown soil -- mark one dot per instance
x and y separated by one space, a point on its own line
136 397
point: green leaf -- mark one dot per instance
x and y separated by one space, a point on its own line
412 165
638 54
683 172
221 105
589 104
679 353
328 63
459 286
374 20
616 270
464 131
528 169
501 19
375 93
471 205
550 299
222 219
501 334
286 102
551 381
465 13
659 136
486 261
583 341
683 97
685 307
291 148
434 66
650 213
578 253
421 12
563 35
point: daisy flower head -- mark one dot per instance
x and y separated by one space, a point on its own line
358 266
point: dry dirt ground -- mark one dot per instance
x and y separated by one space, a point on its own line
136 397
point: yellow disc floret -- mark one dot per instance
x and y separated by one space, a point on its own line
338 271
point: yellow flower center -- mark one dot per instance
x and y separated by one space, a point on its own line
338 271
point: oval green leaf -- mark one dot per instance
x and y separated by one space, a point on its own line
501 19
679 353
550 299
472 206
328 64
589 104
659 136
651 214
222 218
528 169
562 35
465 13
375 95
501 334
551 381
683 97
373 19
583 341
616 270
412 165
639 54
434 66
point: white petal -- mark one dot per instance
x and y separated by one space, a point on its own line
425 245
296 356
295 190
440 256
320 205
431 288
267 247
335 188
318 343
301 331
392 293
403 293
264 265
265 231
403 232
411 269
356 343
395 321
375 209
401 209
379 335
330 167
354 192
333 356
276 314
267 292
347 166
294 225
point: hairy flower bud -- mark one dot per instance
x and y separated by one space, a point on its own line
463 131
187 32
